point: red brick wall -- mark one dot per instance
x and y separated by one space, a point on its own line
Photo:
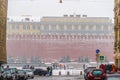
55 49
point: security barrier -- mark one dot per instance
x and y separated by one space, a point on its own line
67 72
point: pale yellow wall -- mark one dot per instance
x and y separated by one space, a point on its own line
3 19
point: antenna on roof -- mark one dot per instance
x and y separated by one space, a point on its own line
60 1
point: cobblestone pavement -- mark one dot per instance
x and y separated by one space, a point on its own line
58 78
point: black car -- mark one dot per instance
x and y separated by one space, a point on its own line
40 72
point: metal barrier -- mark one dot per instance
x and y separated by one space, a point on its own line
67 72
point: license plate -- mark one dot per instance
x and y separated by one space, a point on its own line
97 78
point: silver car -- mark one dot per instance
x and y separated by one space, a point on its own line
29 73
8 74
21 74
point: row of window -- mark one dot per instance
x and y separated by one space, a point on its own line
61 36
94 28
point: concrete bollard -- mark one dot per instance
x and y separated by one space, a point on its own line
68 73
59 73
80 72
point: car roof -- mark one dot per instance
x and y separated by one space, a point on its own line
89 68
27 69
96 69
113 74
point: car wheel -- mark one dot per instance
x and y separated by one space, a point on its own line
40 74
25 79
44 74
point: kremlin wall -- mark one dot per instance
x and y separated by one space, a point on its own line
52 38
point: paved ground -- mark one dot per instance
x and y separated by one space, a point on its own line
58 78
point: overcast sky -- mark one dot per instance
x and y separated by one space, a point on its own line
93 8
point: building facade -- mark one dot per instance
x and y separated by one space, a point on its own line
3 20
117 33
52 38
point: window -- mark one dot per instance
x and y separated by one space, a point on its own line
38 27
49 27
42 27
65 27
24 27
28 27
73 27
13 27
33 27
17 27
79 27
57 27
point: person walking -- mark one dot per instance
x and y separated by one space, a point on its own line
48 71
51 71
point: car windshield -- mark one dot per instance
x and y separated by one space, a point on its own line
28 70
8 72
13 69
113 78
20 72
88 69
1 70
97 72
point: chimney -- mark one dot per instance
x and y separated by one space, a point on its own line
84 16
65 15
27 19
71 15
78 16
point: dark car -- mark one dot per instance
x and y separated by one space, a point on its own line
40 72
87 70
112 76
96 74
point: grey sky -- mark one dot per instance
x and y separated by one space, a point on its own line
99 8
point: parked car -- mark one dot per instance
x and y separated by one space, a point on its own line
13 70
2 75
40 72
8 74
21 74
29 73
96 74
112 76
